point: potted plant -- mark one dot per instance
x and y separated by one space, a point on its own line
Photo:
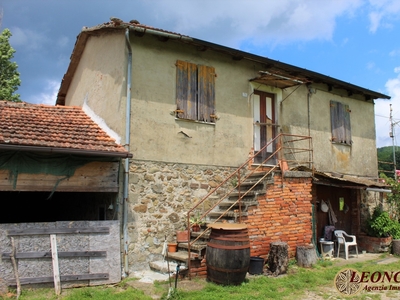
379 230
395 233
393 199
196 222
380 224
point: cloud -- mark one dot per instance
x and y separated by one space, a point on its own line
266 22
382 112
63 41
48 95
382 13
26 38
375 20
394 53
371 65
393 87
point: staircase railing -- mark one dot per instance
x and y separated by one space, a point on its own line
284 147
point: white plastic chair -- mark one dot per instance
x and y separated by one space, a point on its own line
341 240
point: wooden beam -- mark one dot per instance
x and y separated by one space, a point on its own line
39 231
62 254
63 278
92 177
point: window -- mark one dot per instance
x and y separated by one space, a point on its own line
195 92
340 123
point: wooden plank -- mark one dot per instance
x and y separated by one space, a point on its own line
92 177
42 231
56 270
63 278
62 254
15 267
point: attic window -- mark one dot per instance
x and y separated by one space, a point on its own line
195 92
340 123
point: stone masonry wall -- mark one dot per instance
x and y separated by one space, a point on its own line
160 196
284 214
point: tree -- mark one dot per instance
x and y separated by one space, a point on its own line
9 76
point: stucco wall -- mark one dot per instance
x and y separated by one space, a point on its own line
100 81
360 158
100 84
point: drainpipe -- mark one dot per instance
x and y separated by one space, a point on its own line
310 92
127 143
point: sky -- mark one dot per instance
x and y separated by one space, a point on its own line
356 41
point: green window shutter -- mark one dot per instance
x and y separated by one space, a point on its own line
186 85
206 93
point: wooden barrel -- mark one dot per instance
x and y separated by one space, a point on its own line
228 253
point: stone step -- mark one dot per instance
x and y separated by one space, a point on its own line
227 203
182 256
204 235
229 214
194 247
247 184
248 196
167 266
256 175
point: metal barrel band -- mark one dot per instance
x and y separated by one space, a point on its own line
226 247
228 270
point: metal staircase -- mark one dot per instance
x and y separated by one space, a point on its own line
230 200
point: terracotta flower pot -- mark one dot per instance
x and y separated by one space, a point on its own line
172 247
182 236
196 228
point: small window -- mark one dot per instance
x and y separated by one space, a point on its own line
340 123
195 92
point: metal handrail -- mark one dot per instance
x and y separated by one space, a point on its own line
278 153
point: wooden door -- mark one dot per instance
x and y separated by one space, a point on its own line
264 126
343 214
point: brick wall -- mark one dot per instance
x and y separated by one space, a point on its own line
284 214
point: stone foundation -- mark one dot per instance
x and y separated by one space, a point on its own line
160 196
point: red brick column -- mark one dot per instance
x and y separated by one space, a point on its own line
284 214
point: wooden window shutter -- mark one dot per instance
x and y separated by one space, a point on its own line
186 85
206 93
340 123
346 123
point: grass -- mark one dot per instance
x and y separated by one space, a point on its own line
293 285
120 291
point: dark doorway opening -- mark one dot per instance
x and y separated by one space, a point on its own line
27 207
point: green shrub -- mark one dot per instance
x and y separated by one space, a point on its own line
395 231
380 224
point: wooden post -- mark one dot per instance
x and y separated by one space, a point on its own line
15 267
306 256
56 271
278 258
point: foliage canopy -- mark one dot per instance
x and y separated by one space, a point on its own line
9 76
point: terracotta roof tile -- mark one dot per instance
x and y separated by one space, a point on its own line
52 126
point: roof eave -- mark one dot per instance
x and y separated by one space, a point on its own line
236 54
58 150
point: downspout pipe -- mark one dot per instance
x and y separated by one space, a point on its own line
309 93
127 144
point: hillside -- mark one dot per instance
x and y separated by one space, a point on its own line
385 160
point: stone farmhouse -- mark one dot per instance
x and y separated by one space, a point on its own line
225 135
